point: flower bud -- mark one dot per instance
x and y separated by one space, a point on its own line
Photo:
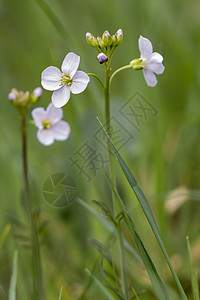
94 42
100 41
102 58
107 39
88 37
37 93
119 35
12 96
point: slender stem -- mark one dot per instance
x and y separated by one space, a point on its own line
108 129
119 70
122 264
37 274
97 77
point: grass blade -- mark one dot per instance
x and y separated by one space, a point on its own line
4 235
145 206
194 280
60 293
107 294
13 281
111 228
156 281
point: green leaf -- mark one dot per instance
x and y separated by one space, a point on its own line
13 281
60 293
107 294
194 279
110 227
156 281
145 206
4 235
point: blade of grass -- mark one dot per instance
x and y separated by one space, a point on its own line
4 235
13 281
194 280
111 228
156 281
145 206
60 293
101 287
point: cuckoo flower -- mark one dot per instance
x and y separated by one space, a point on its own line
50 125
149 61
62 83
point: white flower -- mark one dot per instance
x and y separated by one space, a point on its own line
62 83
150 62
50 125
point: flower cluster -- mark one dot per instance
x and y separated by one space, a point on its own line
69 80
21 100
106 44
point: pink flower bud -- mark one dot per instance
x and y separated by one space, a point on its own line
11 96
37 92
119 32
102 58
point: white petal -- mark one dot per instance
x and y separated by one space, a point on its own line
149 77
70 64
157 57
61 131
50 78
145 47
45 136
53 113
80 82
61 96
38 115
155 67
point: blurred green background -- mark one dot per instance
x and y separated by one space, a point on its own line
164 155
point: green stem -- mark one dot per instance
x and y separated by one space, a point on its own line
37 273
108 129
97 77
122 264
119 70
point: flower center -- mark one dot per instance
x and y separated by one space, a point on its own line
66 79
138 64
47 124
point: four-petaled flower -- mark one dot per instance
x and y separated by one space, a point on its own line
149 61
62 83
50 125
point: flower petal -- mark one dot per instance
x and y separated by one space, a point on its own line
157 57
80 82
61 96
53 113
45 136
155 67
145 47
149 77
70 64
38 115
50 78
61 131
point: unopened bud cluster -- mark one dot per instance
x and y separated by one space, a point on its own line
21 99
106 44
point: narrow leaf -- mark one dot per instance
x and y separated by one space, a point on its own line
145 206
60 293
194 280
4 235
101 286
156 281
13 281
